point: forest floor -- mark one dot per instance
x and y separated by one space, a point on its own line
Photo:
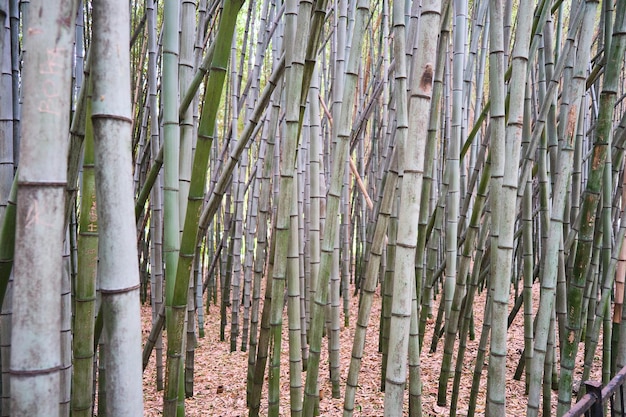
220 375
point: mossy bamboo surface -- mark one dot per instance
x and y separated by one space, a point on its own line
85 291
591 197
566 154
7 240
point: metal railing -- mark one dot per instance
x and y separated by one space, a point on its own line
592 403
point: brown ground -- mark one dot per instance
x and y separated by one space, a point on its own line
220 378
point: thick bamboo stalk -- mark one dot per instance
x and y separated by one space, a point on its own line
414 120
35 374
118 267
428 187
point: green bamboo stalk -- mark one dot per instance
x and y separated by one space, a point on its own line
500 264
314 190
472 67
339 63
415 372
505 199
69 275
178 300
333 309
368 288
452 321
156 197
528 253
602 143
185 74
7 246
304 204
546 105
620 358
619 291
604 127
7 240
255 352
332 209
293 311
546 303
198 270
433 267
238 192
425 293
263 346
414 124
453 157
218 190
480 357
544 70
548 379
468 312
251 283
346 252
85 290
171 170
467 299
251 227
297 21
388 268
220 186
548 57
7 166
186 100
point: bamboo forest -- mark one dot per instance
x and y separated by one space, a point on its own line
311 207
